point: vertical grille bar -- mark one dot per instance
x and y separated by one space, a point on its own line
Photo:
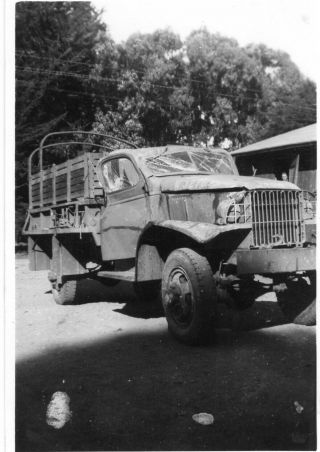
277 217
291 209
294 218
285 217
299 233
263 219
282 201
272 214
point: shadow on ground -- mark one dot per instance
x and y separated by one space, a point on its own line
139 392
261 314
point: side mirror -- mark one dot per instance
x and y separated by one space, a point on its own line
99 196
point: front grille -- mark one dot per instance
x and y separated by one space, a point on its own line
277 218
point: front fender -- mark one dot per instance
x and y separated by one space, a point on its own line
149 257
201 232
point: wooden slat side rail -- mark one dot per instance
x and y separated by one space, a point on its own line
86 176
41 188
54 173
68 180
65 182
89 178
30 184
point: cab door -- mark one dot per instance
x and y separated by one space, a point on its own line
125 214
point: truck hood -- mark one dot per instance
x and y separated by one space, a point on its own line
183 183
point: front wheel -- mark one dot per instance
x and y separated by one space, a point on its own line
189 296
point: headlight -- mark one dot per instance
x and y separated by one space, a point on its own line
234 214
232 209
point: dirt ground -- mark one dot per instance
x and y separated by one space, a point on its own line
133 387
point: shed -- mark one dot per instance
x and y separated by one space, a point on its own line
293 153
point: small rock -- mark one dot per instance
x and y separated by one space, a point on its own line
299 408
203 418
58 411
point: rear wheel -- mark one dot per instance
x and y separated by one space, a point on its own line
67 294
189 296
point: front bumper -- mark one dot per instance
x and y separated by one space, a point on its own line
280 260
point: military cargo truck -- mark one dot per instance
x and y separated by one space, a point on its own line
176 221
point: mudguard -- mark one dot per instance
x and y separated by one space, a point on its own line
201 232
150 263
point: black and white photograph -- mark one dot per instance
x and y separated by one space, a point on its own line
164 268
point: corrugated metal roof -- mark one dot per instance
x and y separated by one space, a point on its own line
304 135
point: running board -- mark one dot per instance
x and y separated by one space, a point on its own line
128 275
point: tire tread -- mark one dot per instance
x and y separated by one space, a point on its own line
67 294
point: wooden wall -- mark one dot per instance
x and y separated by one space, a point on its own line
270 164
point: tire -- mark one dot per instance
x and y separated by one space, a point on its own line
189 296
298 302
67 294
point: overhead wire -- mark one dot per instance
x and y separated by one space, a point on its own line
117 79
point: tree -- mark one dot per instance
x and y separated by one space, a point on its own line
199 91
60 47
152 89
288 98
225 84
56 45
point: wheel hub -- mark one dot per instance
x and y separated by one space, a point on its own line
179 297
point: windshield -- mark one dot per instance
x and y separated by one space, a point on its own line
191 161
